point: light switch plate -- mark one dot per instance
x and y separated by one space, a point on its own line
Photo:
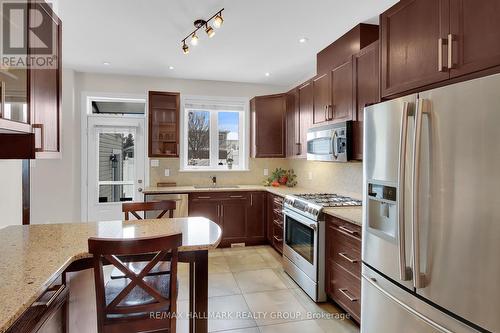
155 163
266 172
310 175
167 172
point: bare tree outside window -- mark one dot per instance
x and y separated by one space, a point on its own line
199 138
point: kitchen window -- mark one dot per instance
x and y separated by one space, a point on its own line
214 135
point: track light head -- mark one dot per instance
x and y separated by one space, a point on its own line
194 39
210 31
218 20
185 48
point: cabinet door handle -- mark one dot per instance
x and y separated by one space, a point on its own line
251 199
349 231
450 51
204 197
221 211
343 255
326 112
236 196
2 99
218 211
344 291
40 127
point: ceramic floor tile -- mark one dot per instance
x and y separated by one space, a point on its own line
249 260
222 284
308 326
258 280
278 307
243 330
287 280
218 265
228 313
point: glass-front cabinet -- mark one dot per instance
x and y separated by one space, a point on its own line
163 124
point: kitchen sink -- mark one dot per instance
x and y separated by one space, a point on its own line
216 186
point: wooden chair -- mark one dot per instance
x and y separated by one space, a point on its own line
134 207
133 304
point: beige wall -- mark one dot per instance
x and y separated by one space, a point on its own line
341 178
11 193
253 177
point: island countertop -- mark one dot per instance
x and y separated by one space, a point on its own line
34 256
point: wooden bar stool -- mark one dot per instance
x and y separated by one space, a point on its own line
126 305
133 208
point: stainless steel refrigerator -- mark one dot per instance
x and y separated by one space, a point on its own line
431 236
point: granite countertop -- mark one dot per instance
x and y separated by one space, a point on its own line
349 214
34 256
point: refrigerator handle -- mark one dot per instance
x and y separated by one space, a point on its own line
404 270
418 277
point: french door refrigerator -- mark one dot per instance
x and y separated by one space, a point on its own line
431 210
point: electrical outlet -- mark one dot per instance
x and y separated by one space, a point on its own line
167 172
155 163
310 175
266 172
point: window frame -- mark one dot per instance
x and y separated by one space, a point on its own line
243 132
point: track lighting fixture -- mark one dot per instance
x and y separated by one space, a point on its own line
210 31
218 20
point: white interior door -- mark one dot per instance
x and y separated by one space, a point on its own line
116 155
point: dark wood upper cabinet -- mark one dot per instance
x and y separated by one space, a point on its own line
46 84
268 126
409 36
306 117
366 90
292 124
475 35
322 98
163 115
31 98
342 93
350 43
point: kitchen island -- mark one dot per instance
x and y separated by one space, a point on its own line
35 256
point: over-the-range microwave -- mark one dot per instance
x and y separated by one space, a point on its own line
330 142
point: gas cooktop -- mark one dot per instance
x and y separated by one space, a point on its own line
329 199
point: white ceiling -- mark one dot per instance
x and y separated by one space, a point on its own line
142 37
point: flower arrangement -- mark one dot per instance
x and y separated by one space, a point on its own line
281 177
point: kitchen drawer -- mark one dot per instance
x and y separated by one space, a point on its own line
278 237
278 202
345 290
219 196
345 228
345 250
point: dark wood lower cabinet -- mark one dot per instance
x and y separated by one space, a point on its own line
241 215
275 221
343 265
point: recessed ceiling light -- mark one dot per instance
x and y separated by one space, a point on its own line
303 40
267 74
106 63
170 67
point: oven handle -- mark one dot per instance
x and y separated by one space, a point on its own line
301 219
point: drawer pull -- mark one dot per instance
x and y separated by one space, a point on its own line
344 292
276 238
236 196
59 290
343 255
278 212
278 222
200 197
349 231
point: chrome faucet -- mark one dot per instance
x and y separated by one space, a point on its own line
214 181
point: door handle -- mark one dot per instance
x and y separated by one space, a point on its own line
440 55
344 292
40 127
450 51
418 277
404 271
346 257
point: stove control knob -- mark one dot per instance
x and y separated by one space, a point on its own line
315 211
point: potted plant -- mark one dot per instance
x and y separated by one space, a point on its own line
229 160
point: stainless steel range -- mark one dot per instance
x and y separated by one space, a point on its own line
304 235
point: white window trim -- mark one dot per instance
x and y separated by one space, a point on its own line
244 133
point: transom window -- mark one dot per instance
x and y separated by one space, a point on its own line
214 134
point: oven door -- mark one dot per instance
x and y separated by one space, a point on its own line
301 243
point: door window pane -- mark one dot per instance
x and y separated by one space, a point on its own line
229 140
199 138
116 193
116 156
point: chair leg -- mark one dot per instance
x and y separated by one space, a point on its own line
191 297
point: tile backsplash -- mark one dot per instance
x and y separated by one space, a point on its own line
342 178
